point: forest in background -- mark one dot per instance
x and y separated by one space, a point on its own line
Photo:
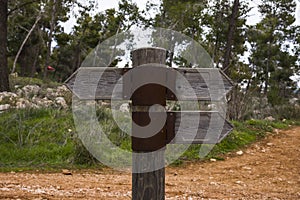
29 29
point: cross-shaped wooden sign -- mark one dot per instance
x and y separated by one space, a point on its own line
150 82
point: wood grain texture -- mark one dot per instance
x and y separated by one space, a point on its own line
205 84
148 55
89 83
148 178
210 129
148 185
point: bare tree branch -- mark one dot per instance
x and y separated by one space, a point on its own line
24 42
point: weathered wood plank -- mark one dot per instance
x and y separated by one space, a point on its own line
96 83
207 84
211 128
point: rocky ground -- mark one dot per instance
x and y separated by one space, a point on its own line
269 169
33 96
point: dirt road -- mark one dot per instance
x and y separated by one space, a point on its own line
269 169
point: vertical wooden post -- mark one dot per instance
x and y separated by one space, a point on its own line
149 185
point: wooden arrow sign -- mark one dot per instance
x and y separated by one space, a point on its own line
97 83
211 129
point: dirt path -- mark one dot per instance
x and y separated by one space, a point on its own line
269 169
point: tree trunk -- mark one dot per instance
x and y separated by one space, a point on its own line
52 28
4 82
230 37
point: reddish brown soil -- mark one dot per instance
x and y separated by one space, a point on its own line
269 169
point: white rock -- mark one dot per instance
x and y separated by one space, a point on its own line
240 153
213 183
213 160
7 96
35 99
4 107
51 93
23 103
270 118
61 90
103 103
60 101
31 90
124 107
246 168
19 92
293 100
239 182
20 105
49 90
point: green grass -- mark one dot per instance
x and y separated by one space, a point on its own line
23 81
34 137
243 134
46 139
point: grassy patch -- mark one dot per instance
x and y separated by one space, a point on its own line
46 139
23 81
243 134
34 137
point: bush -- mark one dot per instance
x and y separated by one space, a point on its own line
23 81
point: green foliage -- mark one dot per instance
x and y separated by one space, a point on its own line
90 31
218 22
244 134
287 111
272 59
82 155
45 138
36 52
35 137
23 81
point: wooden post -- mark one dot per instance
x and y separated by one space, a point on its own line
149 152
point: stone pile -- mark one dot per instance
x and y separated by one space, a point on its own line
33 96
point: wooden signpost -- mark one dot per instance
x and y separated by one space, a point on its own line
150 185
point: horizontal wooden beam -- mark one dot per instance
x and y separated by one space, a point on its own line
97 83
207 84
209 127
191 127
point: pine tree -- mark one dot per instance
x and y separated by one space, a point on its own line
273 59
